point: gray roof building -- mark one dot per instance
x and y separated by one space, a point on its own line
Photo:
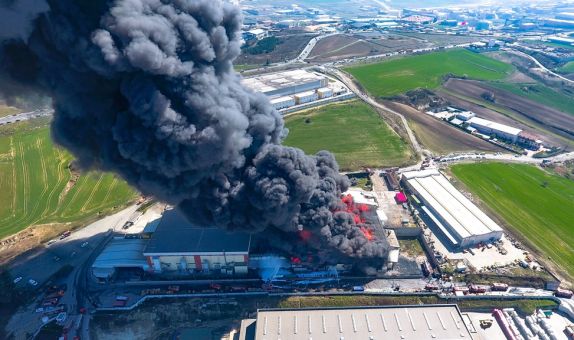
357 323
175 235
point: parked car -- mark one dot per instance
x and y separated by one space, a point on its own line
84 244
33 282
18 279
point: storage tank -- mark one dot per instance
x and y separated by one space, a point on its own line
504 325
521 325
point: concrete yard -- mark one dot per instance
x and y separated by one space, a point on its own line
386 201
481 258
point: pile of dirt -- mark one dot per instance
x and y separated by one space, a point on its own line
28 239
421 99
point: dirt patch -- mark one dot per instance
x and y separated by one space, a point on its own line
530 111
519 77
75 175
421 99
438 136
28 239
343 46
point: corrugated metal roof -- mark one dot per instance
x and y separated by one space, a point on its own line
464 218
388 322
176 235
494 125
122 252
273 81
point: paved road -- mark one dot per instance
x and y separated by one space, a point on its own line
40 265
542 67
25 116
310 46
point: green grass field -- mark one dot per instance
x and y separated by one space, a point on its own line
33 178
524 305
541 94
353 131
396 76
535 204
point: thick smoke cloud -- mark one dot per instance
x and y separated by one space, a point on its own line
146 89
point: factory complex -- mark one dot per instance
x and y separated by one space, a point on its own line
171 246
176 246
297 88
384 322
459 220
488 129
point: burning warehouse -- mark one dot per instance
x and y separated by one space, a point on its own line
364 215
177 246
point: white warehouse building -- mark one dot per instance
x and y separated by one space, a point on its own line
459 220
286 83
489 127
282 102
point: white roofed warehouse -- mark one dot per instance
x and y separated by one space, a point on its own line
285 83
350 323
462 222
489 127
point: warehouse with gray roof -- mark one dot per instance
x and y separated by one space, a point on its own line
179 246
369 323
459 220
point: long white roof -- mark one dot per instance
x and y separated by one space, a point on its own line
494 125
465 218
273 81
385 322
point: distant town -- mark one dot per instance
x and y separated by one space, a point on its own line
453 127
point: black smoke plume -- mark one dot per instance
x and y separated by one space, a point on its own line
146 89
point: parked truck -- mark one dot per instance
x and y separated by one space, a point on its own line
499 287
563 293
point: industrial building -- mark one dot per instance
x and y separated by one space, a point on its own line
291 90
172 245
282 102
305 97
286 83
178 246
384 322
488 127
120 253
459 220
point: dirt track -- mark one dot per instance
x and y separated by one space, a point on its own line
439 136
530 112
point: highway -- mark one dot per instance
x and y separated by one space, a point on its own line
25 116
